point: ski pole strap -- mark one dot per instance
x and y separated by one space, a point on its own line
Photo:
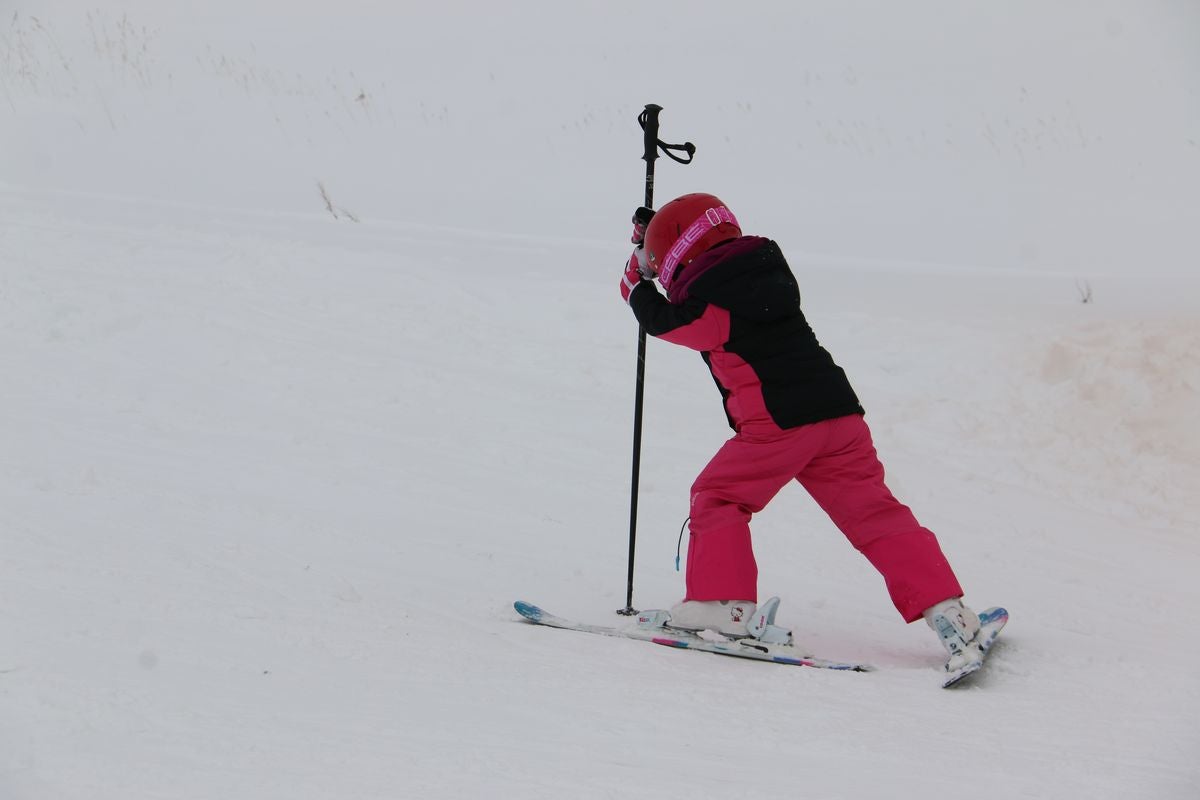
670 149
686 147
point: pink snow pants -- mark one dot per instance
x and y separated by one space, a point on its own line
835 461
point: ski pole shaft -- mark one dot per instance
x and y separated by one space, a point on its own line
651 144
649 123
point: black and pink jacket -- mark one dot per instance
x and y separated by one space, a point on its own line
739 305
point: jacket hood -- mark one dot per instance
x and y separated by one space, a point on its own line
747 276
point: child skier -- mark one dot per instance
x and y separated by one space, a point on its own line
734 299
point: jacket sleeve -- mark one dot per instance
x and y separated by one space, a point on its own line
694 323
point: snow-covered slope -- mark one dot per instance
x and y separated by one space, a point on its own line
274 465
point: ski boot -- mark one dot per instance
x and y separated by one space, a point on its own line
958 628
735 619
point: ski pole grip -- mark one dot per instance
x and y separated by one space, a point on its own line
649 120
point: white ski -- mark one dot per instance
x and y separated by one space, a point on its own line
649 632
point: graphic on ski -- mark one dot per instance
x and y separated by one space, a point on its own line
991 622
738 648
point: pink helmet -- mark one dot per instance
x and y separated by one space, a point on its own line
683 229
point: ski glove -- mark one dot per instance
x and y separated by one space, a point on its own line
633 273
641 220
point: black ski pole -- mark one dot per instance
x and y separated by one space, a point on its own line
648 119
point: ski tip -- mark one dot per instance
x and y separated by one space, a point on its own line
529 610
670 642
993 614
993 620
